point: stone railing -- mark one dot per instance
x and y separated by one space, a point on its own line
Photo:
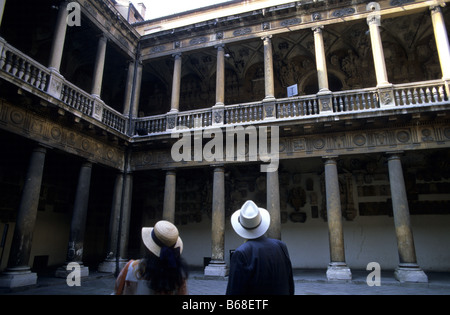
30 75
424 93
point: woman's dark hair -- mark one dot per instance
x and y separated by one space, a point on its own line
164 274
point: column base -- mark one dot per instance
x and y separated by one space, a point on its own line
410 273
109 265
216 268
62 271
17 277
338 271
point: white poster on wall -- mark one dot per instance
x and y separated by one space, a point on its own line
292 90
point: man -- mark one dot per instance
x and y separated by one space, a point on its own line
260 266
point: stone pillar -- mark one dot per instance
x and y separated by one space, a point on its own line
128 89
110 263
78 224
169 196
441 38
337 269
268 68
220 76
2 9
408 270
137 91
273 205
176 83
125 218
99 67
217 267
59 38
374 22
321 64
18 272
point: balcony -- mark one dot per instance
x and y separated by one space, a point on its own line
39 80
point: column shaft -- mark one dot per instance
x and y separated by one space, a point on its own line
337 269
19 257
137 91
217 267
126 214
128 89
268 68
169 196
405 240
59 37
78 224
408 270
273 205
99 66
218 215
377 50
2 9
441 38
220 76
321 64
334 215
176 83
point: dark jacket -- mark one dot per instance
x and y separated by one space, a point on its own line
261 267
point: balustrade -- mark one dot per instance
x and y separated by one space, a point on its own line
32 73
22 67
28 74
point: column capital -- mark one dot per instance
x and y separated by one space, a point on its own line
394 155
330 159
218 167
176 55
266 37
220 47
435 8
317 29
374 19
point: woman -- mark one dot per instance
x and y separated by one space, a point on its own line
162 271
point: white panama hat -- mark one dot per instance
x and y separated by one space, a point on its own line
250 221
164 233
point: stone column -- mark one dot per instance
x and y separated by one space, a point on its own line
321 64
128 89
137 91
220 76
337 269
2 9
441 38
273 205
109 265
125 217
374 22
59 38
169 196
408 270
176 83
217 266
268 68
78 223
18 272
99 67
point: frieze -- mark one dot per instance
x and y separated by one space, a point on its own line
404 138
45 131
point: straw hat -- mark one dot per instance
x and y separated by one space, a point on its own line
162 234
250 221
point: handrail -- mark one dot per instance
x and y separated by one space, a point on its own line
15 65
